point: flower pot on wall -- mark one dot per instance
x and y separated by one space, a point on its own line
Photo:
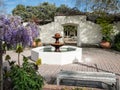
105 44
36 43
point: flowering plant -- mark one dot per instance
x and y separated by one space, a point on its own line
13 32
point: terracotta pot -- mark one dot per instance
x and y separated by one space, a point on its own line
34 44
105 44
38 44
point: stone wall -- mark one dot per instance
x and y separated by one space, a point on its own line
87 33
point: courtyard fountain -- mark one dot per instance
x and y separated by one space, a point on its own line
57 44
57 53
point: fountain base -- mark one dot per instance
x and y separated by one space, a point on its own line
68 54
57 46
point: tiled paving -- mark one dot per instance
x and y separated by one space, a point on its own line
55 87
105 60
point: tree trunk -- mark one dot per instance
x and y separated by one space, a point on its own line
1 74
19 59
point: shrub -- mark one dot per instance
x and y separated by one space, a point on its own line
106 27
25 77
117 42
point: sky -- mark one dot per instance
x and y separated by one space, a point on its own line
11 4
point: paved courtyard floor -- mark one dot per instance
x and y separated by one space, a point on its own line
93 59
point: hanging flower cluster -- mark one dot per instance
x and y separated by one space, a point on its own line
13 32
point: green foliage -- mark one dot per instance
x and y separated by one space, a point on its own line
37 40
65 10
107 27
47 11
117 42
25 77
62 10
117 46
4 46
44 12
39 61
19 10
70 30
19 49
7 57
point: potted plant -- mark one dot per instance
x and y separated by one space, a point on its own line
106 30
36 42
106 42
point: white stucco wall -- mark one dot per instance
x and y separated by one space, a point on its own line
90 33
87 33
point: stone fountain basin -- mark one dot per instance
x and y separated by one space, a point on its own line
68 54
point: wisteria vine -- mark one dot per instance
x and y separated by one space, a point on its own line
13 32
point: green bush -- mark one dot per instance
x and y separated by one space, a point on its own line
106 27
117 42
37 40
25 77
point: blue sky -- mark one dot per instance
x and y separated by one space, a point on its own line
11 4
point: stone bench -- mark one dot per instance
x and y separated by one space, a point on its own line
102 77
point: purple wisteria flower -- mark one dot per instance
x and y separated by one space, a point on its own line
13 32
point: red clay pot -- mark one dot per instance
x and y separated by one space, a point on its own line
34 44
105 44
